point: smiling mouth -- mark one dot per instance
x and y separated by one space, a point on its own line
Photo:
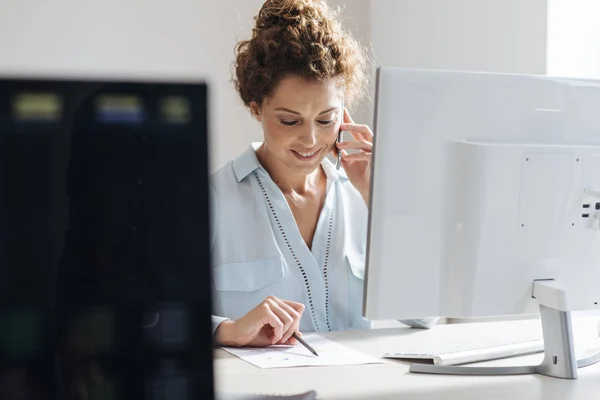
305 156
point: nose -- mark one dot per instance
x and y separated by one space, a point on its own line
309 137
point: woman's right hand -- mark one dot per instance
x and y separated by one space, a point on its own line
273 321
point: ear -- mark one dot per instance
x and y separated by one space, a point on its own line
256 111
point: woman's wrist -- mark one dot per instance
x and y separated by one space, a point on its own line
226 335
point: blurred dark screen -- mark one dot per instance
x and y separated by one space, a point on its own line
104 241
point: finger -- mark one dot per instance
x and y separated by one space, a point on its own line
289 309
358 131
295 321
271 319
347 117
277 307
356 157
299 307
344 162
356 145
292 341
289 330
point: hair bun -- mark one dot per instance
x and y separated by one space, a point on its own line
284 13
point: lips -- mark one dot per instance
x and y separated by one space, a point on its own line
305 156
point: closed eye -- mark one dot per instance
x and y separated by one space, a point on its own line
288 123
325 123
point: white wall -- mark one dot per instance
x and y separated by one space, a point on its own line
182 38
477 35
574 38
356 20
195 38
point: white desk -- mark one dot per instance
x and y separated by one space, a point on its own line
392 380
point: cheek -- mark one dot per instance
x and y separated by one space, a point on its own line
332 134
275 133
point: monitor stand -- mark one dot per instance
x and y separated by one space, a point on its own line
559 360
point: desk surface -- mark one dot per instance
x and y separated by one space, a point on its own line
392 380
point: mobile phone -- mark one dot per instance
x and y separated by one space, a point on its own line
338 164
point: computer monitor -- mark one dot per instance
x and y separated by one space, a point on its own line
485 200
104 239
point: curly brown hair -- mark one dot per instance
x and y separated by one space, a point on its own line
302 38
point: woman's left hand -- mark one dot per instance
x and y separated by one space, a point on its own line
357 165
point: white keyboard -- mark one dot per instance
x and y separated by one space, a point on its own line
468 351
303 396
468 343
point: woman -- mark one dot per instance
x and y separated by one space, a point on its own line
289 228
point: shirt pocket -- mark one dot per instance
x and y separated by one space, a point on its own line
241 286
356 284
356 263
248 276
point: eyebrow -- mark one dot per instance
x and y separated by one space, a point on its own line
297 113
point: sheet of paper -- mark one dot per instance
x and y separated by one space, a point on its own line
330 353
303 396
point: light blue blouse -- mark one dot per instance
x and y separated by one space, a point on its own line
258 250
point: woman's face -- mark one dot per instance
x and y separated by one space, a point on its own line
301 120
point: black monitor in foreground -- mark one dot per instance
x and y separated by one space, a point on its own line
104 240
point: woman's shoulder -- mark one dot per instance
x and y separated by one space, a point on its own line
225 187
230 192
223 176
233 174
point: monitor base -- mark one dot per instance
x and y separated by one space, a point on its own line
559 360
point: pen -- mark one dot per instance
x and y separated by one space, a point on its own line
303 343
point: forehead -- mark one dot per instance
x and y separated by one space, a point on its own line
296 92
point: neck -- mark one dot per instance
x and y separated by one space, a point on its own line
288 180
